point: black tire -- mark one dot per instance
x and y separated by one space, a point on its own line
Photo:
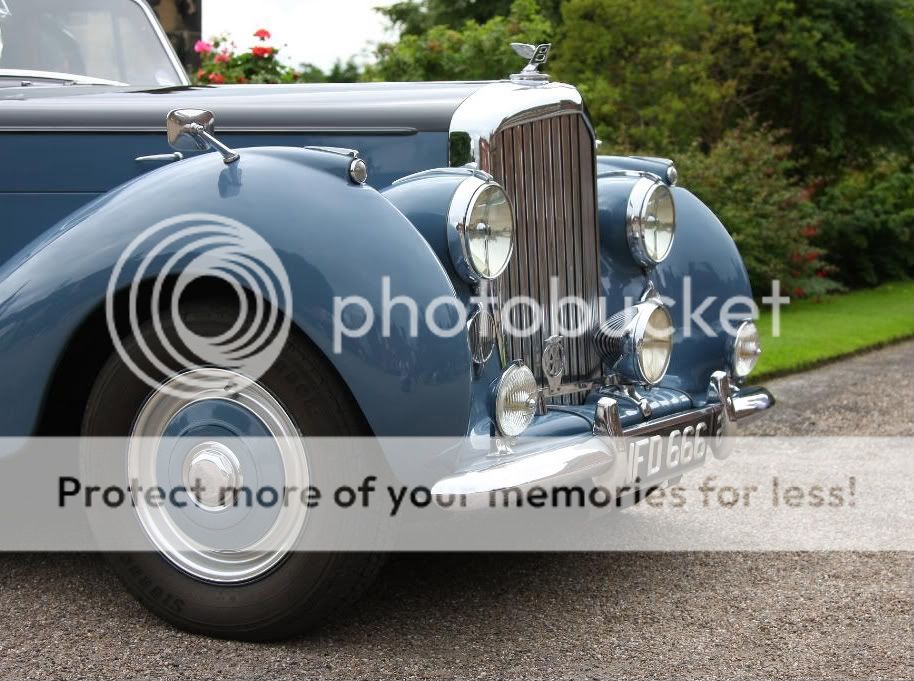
304 589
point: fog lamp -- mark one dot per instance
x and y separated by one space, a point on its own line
746 349
515 400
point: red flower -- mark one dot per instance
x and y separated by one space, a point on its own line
200 74
222 58
809 231
798 292
216 78
262 51
262 33
812 255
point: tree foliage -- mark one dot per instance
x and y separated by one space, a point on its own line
747 180
472 52
705 82
833 74
660 76
414 18
868 222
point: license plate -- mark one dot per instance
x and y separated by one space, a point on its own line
670 450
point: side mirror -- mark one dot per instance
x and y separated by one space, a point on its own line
192 130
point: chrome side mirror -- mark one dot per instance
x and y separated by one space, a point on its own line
192 130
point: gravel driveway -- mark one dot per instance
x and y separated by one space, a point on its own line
721 615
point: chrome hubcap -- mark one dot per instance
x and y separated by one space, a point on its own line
212 473
215 435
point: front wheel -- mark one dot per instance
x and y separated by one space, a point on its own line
188 576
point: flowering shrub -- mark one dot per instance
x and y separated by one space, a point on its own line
221 62
747 180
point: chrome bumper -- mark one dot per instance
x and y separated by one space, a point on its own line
595 455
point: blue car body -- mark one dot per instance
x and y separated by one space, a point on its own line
73 195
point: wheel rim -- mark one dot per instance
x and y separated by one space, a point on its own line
229 432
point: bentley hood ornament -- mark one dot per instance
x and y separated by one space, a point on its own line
537 55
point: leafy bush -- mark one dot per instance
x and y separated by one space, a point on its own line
868 222
746 180
474 52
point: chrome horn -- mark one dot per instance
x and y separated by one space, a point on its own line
192 130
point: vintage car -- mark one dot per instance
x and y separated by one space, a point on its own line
478 193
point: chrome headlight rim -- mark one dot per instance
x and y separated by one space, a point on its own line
746 329
510 371
620 341
635 220
461 206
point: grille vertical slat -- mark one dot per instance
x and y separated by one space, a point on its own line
547 168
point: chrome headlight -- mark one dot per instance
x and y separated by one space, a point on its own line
481 221
638 342
746 349
650 221
515 400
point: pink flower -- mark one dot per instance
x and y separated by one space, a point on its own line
202 46
262 33
222 58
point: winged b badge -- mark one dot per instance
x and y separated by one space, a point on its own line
535 54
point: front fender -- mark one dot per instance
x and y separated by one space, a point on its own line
334 238
702 275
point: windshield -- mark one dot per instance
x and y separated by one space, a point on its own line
110 39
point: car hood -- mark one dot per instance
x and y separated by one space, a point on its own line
347 107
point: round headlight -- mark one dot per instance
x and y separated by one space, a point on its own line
655 345
515 400
482 240
637 342
650 221
746 349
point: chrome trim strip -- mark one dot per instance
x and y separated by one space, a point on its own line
223 129
500 105
629 173
161 158
649 427
74 78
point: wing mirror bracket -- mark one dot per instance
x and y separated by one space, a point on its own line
192 130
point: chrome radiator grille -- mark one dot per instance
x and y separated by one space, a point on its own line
547 168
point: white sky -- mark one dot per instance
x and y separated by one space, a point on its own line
315 31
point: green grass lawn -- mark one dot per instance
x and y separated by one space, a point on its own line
814 331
